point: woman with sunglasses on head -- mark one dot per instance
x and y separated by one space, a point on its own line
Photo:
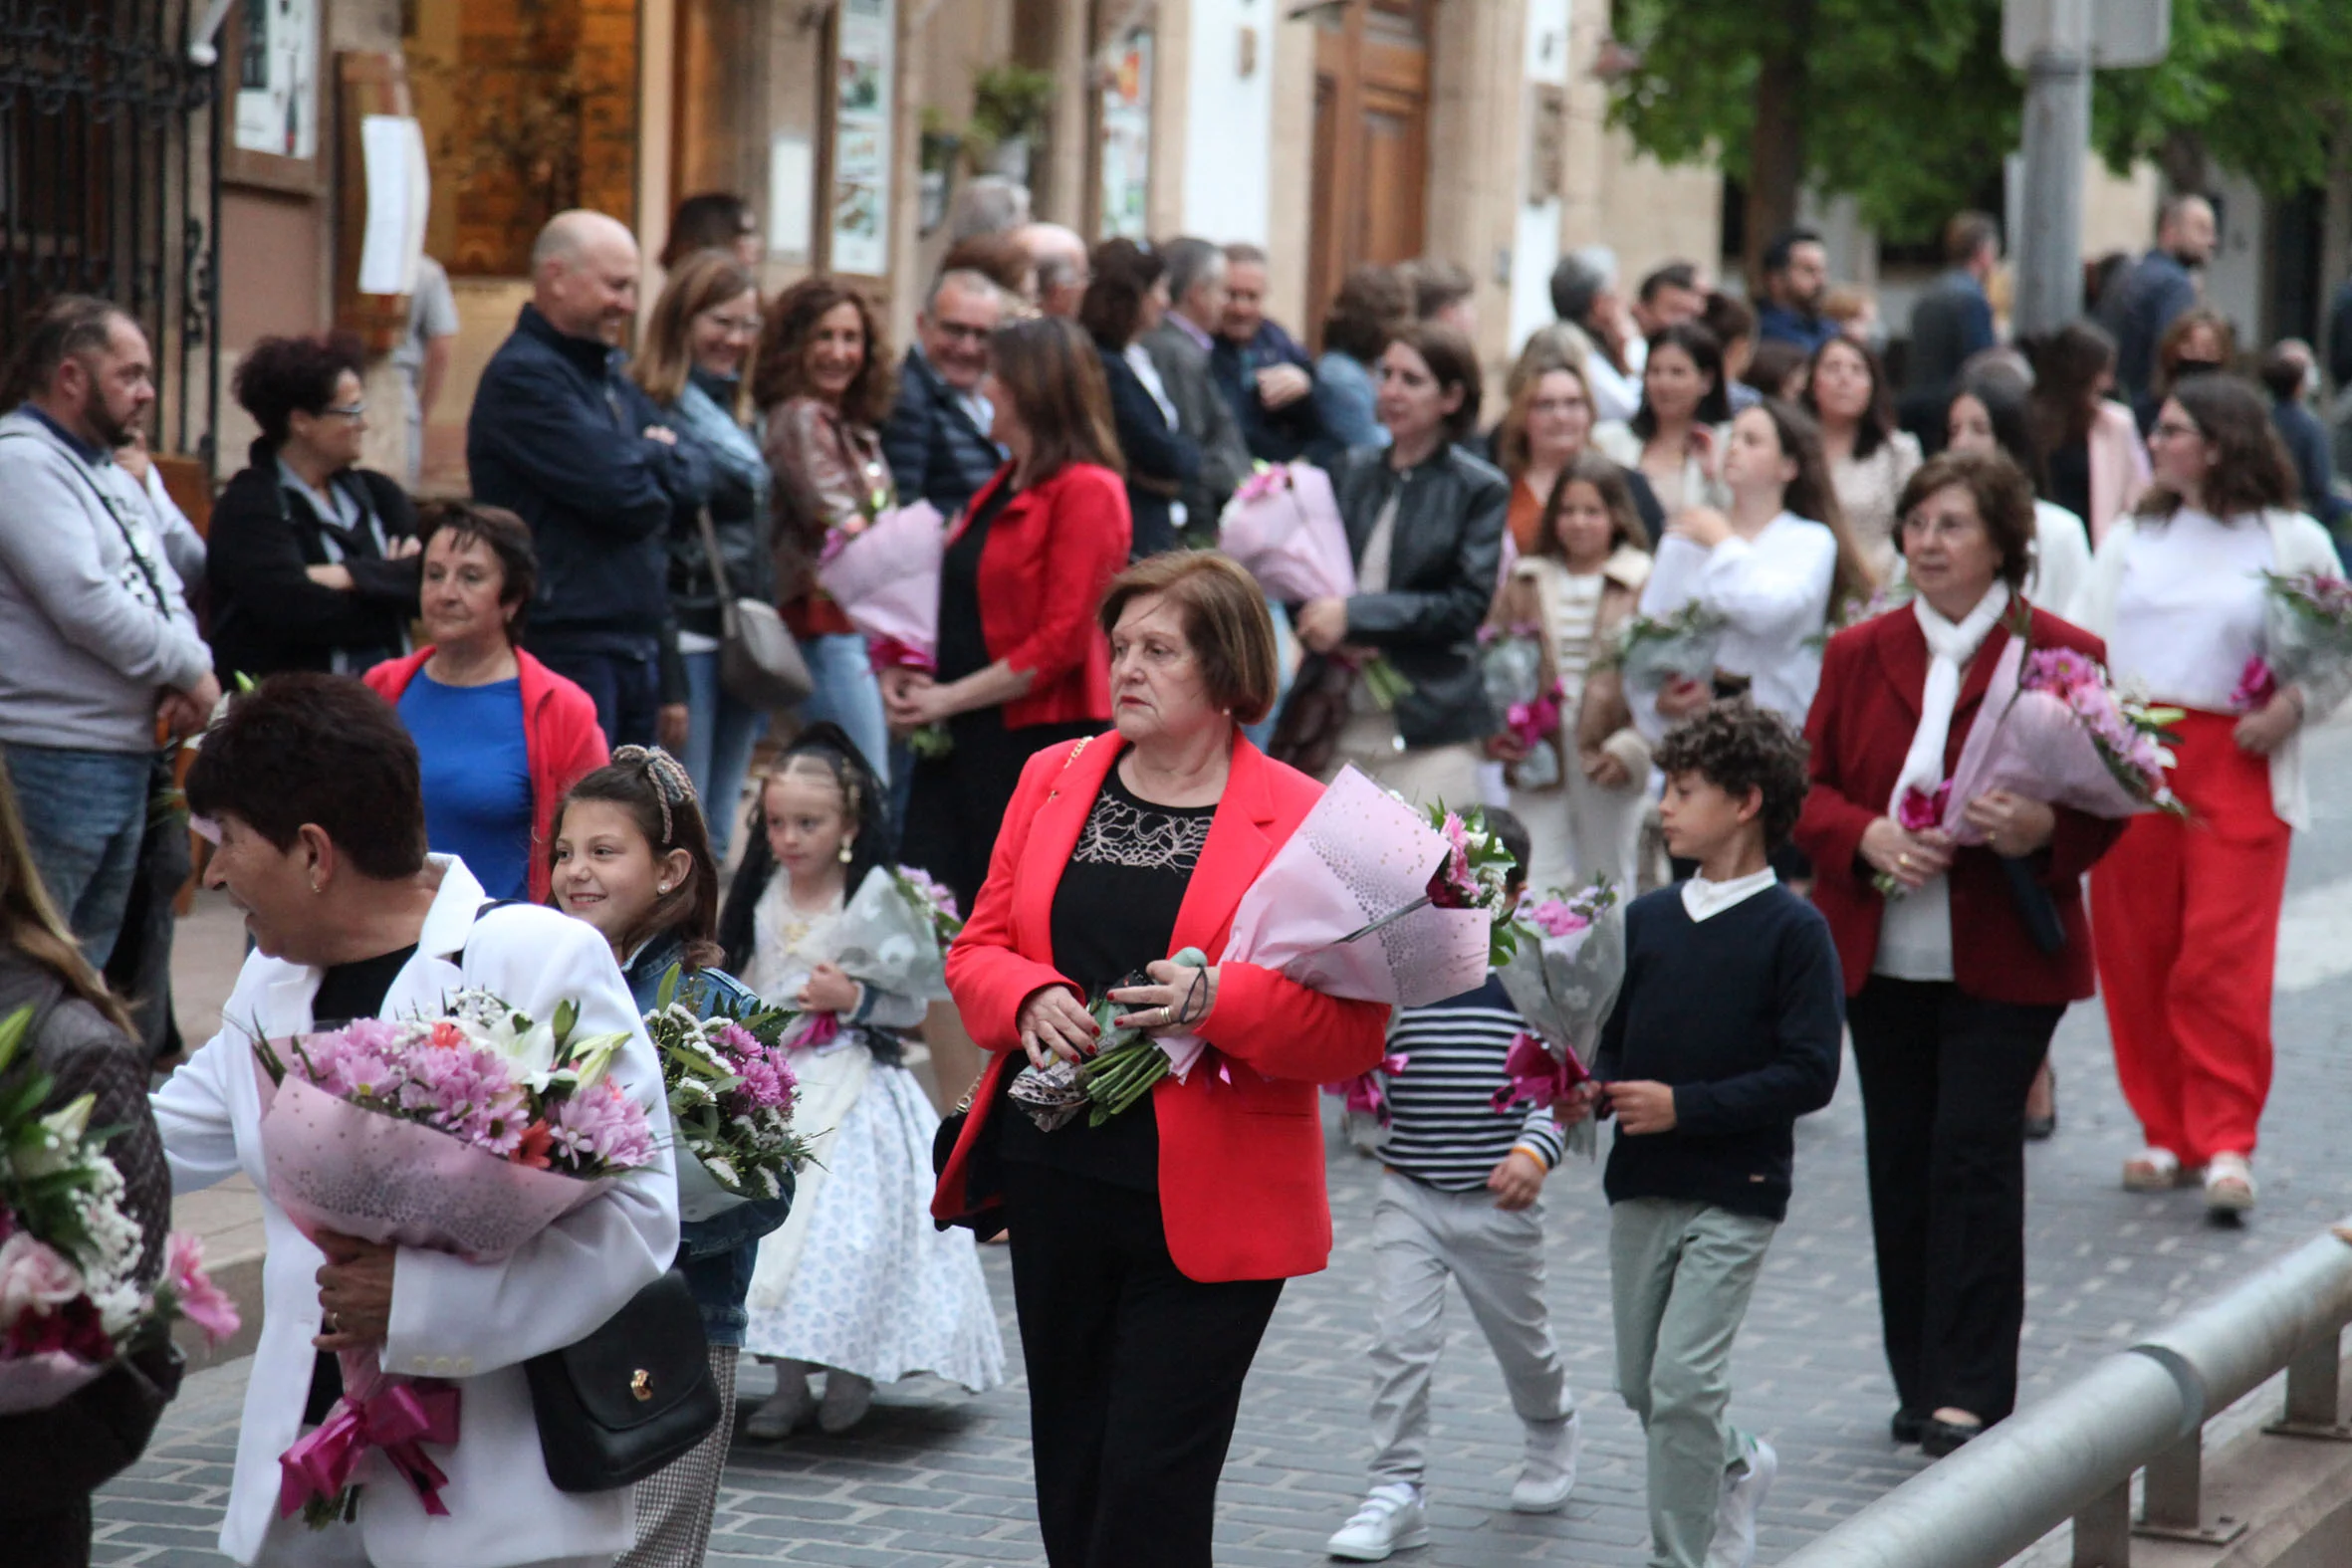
2186 910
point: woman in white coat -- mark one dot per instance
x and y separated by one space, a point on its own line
310 786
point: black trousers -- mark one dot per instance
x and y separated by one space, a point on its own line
1944 1081
1134 1372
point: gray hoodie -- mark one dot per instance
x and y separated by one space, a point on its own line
94 627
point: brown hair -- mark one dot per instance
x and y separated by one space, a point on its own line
653 789
706 279
30 923
1111 307
1049 369
1775 362
1811 495
1437 284
1453 362
1595 469
2000 492
2252 471
509 539
2170 347
1372 303
1543 355
307 748
2068 365
1225 619
1000 259
1877 425
783 369
1737 747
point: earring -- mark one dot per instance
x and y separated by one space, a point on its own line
661 888
315 888
848 845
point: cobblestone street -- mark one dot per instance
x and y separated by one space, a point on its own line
935 1478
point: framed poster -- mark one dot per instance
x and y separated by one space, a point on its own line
1126 140
273 56
864 100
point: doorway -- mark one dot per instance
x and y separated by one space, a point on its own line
1371 139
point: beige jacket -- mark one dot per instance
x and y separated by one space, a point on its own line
1603 724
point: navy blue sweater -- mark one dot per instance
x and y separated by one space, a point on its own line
556 435
1743 1014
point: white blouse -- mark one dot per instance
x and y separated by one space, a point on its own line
2189 611
1773 590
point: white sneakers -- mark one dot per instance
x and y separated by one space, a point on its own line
1734 1515
847 1397
1392 1519
785 1408
1549 1473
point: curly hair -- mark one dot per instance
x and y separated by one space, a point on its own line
280 375
2251 471
783 369
1737 747
651 786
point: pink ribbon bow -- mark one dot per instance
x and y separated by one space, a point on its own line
1364 1092
1532 1072
396 1417
2256 685
821 1030
1922 809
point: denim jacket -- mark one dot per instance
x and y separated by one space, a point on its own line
717 1255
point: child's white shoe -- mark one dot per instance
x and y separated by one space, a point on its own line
1392 1519
1735 1515
785 1408
1550 1471
847 1397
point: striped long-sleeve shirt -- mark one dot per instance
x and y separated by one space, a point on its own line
1444 1130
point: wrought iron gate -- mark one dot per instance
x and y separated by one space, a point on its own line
110 184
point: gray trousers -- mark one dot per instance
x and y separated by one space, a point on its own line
1679 1274
1420 1236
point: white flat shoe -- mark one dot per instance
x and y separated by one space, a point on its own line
2229 1184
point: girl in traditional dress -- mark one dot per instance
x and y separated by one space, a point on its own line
858 1284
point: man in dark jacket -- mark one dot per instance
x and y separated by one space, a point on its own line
936 439
562 437
1179 348
2140 305
1268 380
1952 320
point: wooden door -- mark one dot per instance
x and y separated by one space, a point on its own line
1371 139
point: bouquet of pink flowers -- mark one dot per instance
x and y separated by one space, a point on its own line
885 575
934 900
467 1133
2306 637
1563 980
71 1298
731 1093
1283 525
1511 664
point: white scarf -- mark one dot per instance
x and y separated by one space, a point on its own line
1950 647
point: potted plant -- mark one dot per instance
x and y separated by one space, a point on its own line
1008 109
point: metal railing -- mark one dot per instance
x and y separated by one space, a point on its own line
2073 1455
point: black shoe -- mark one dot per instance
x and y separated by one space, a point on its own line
1939 1438
1907 1428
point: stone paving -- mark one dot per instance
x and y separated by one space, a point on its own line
938 1479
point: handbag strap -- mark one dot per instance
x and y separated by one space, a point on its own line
718 565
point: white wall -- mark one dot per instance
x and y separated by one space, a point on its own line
1536 245
1228 123
2234 280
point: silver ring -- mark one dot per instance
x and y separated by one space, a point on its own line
333 1322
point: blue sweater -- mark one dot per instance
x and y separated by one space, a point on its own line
1743 1016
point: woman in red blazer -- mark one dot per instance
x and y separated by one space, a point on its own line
1020 663
1953 997
1148 1252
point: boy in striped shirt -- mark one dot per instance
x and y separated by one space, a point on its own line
1459 1195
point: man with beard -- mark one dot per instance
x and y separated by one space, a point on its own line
96 642
2140 305
1795 277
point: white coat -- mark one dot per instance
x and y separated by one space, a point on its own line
475 1324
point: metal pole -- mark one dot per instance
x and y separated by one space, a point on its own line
2057 138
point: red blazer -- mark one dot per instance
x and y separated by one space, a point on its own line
1050 554
1860 728
1241 1162
561 737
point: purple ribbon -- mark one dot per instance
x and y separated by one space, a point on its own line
396 1417
1532 1072
1364 1093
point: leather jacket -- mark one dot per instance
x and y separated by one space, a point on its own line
1443 568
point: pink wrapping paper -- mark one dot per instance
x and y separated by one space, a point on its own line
335 1167
886 580
1288 535
2030 743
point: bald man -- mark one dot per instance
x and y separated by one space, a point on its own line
560 436
1059 258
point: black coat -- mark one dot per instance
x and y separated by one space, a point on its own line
556 435
935 452
267 614
1443 566
1161 460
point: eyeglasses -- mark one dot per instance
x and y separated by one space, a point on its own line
352 412
959 332
1946 528
737 326
2173 430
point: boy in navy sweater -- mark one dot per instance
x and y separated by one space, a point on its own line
1727 1030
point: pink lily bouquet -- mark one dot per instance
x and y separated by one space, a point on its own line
2306 637
1563 980
467 1133
1283 525
731 1090
72 1302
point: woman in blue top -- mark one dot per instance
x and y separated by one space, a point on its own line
630 855
1370 306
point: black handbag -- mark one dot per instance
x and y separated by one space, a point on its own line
50 1458
631 1398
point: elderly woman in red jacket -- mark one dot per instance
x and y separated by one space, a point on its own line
1148 1252
1956 977
1020 663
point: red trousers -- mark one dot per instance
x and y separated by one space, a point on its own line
2184 916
